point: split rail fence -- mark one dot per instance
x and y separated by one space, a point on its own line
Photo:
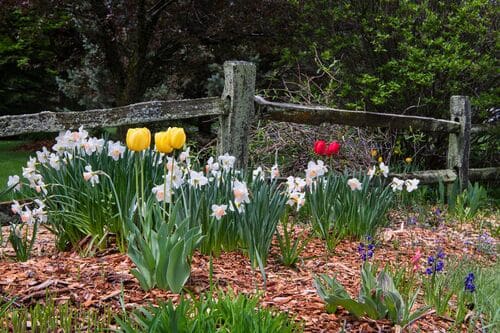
236 111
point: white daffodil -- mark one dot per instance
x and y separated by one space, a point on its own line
397 184
317 169
354 184
240 208
38 213
176 178
297 199
14 182
411 184
218 211
159 192
240 192
295 184
27 216
92 145
115 150
43 155
258 173
227 161
16 208
384 169
40 187
275 172
91 176
55 161
371 171
197 179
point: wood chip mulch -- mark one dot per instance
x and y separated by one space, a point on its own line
96 282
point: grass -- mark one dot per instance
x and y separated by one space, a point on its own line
51 317
11 162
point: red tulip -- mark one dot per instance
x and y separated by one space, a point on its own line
320 147
333 148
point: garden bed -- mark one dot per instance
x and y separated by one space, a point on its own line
97 282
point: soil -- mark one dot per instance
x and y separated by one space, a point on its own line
97 281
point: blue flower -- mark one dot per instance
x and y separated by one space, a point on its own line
439 266
366 250
469 283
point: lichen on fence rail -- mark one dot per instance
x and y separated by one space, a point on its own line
316 115
144 112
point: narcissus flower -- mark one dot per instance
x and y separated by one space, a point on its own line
408 160
354 184
384 169
218 211
162 142
412 184
138 139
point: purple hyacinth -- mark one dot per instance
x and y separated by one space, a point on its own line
365 250
469 282
435 263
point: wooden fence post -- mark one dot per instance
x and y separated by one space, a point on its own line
459 143
238 97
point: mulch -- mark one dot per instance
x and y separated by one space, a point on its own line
96 282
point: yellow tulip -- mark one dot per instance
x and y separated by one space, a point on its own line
162 142
138 138
176 136
408 160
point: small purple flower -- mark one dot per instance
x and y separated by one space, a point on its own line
435 263
366 250
469 283
411 220
439 266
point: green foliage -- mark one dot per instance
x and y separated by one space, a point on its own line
22 244
337 211
51 317
466 205
162 251
446 293
388 56
29 52
290 242
221 312
258 222
378 297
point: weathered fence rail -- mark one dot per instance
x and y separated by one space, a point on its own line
236 112
145 112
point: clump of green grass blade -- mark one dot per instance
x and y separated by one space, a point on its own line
221 312
52 317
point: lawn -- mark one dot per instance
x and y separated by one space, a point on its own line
12 160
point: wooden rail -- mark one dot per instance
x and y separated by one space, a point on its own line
316 115
145 112
236 112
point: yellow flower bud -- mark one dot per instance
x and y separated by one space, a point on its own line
408 160
374 152
380 159
176 136
138 139
162 142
